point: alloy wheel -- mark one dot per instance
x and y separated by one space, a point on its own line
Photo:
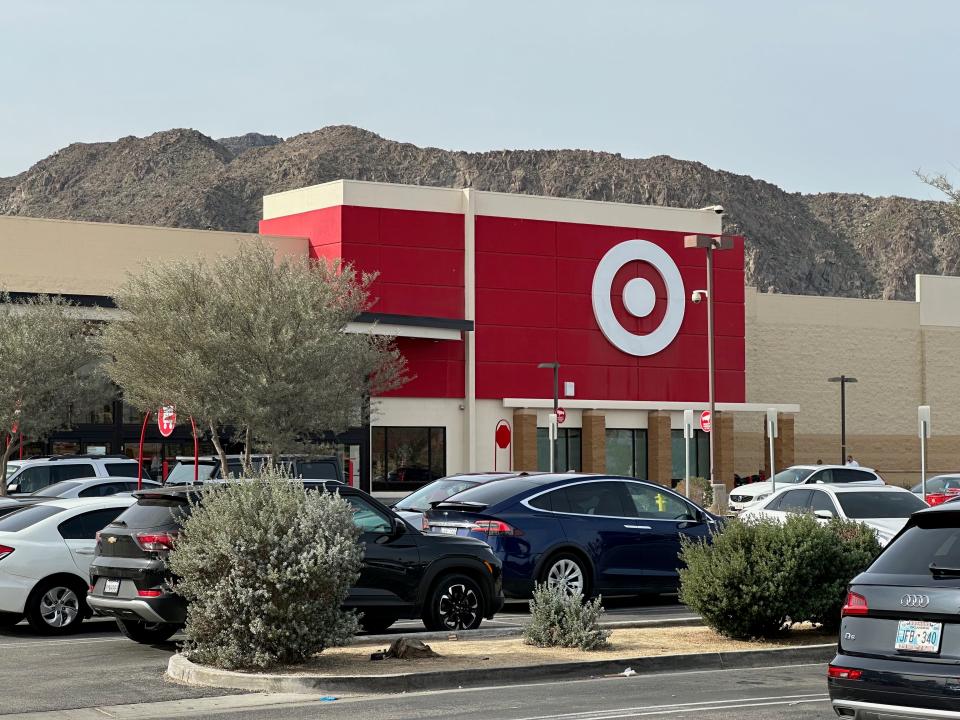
59 607
459 607
566 574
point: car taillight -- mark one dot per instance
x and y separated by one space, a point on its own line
936 498
854 605
4 551
494 527
149 593
154 541
841 673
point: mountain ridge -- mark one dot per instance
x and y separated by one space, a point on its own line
825 244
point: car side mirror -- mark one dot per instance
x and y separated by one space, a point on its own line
12 488
399 527
823 515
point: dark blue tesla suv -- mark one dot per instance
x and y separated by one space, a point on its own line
588 533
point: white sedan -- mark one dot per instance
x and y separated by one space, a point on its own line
89 487
45 555
745 495
885 509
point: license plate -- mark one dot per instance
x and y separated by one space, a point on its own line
447 530
111 587
919 636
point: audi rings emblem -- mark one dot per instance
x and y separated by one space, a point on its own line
917 601
639 297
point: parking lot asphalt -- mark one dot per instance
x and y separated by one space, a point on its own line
789 693
97 666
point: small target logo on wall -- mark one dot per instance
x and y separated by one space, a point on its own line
639 297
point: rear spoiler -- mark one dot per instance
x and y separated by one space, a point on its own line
457 505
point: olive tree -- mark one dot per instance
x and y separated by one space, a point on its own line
49 370
252 342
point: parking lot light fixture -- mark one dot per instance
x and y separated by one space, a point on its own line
843 380
710 243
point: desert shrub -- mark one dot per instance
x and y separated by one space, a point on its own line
265 565
558 619
756 578
701 491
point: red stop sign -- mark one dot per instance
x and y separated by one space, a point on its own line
561 415
706 421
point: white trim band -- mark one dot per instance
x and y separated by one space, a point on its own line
582 404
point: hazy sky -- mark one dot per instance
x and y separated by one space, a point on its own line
811 95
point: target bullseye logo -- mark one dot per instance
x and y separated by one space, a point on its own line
639 297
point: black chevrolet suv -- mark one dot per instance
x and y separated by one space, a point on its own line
451 582
899 649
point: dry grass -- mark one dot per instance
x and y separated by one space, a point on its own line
510 652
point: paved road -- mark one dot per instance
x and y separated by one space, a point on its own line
39 673
784 693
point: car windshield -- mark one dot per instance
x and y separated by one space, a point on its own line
22 519
939 484
792 476
57 489
935 539
493 492
863 505
11 469
182 473
434 492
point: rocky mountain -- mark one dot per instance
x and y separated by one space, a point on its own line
826 244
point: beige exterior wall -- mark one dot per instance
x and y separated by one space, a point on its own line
903 354
62 256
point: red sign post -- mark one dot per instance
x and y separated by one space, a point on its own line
706 421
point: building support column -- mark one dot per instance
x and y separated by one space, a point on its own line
722 435
525 440
593 447
659 448
783 445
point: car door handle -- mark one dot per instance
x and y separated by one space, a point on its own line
84 552
638 527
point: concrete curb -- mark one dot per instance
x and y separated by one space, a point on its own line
488 633
182 670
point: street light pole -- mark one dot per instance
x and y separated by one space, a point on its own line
709 243
553 429
710 359
843 380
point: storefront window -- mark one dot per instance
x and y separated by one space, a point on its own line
408 454
568 450
699 454
627 452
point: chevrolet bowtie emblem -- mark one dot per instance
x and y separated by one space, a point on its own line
111 540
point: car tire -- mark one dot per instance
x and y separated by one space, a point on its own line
8 619
569 571
455 602
375 623
146 633
57 606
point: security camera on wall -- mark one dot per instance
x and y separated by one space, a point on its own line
697 296
718 209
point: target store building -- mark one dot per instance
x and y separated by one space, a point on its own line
481 288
